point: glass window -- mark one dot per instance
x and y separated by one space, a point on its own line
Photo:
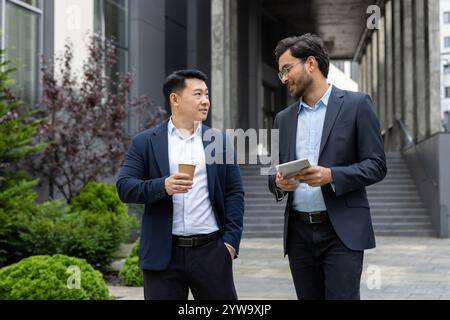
446 17
446 69
447 42
447 92
340 65
22 45
34 3
111 19
116 14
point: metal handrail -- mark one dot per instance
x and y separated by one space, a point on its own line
406 132
411 143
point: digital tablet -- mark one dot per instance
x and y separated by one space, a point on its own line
290 169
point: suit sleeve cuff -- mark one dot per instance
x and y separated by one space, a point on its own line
280 194
333 187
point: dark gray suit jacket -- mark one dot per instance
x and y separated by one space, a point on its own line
352 147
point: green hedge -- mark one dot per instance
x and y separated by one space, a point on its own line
49 278
92 227
130 273
44 232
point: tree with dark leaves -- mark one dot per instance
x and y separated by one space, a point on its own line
85 125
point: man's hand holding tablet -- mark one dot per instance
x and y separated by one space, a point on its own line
290 174
291 169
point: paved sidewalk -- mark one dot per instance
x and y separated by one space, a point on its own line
399 268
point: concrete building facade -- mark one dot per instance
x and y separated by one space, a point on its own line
396 45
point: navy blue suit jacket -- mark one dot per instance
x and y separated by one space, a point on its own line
141 180
352 147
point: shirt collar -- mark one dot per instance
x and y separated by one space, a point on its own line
323 101
172 129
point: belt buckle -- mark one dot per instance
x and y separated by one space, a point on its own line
311 221
194 241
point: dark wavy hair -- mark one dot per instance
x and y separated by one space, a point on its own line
305 46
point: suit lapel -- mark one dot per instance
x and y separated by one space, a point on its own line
210 168
333 108
160 147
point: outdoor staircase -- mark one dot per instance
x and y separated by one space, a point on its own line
396 207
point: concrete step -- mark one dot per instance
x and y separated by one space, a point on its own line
398 192
387 197
402 225
263 220
262 215
264 227
396 206
406 233
262 234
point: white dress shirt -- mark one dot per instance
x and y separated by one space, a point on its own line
192 211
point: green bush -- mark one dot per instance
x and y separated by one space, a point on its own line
92 227
99 224
130 273
16 198
49 278
45 230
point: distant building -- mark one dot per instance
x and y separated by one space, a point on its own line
445 61
343 74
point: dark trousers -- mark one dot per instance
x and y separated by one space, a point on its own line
322 267
205 270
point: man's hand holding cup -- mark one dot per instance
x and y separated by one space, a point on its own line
182 181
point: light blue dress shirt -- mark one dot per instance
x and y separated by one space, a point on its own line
309 135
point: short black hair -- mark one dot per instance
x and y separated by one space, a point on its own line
176 82
305 46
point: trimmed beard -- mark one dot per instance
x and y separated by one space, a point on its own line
305 83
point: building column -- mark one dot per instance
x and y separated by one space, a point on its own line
147 43
146 47
382 77
408 66
199 35
369 68
224 41
361 74
433 70
374 74
366 71
398 71
420 62
390 121
254 66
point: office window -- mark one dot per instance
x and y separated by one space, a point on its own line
22 43
447 42
446 17
447 92
447 69
111 20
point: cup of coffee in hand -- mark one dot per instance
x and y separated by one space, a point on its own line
188 169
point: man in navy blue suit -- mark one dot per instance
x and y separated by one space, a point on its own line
191 228
327 219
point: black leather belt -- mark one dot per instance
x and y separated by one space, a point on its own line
194 241
311 217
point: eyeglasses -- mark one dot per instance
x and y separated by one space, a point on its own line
285 70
